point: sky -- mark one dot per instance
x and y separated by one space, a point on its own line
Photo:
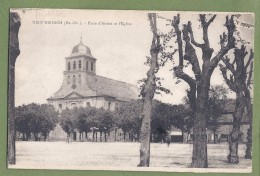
119 40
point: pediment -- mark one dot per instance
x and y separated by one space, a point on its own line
74 95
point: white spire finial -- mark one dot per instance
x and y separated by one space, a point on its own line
80 37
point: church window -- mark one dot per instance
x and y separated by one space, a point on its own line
87 65
68 80
69 65
74 79
88 104
79 78
109 105
92 66
60 106
74 65
73 105
79 63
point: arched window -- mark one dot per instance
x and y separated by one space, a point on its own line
74 65
88 104
68 80
79 78
69 65
87 65
74 79
60 106
79 63
92 66
73 105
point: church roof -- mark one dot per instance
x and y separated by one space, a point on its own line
113 88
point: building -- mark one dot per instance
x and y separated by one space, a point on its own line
225 126
82 87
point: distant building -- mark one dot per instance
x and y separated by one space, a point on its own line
225 127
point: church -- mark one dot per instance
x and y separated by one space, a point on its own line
82 87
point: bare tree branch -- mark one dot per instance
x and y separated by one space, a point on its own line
175 24
228 38
192 36
205 24
229 81
229 66
180 74
190 53
250 74
250 59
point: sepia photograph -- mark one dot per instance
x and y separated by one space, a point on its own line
128 90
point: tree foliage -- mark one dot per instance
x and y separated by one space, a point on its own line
86 120
36 119
163 117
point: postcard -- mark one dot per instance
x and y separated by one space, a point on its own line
130 90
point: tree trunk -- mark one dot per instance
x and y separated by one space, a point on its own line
199 154
100 133
93 136
86 136
14 51
249 131
249 143
96 136
45 136
80 136
214 137
124 135
234 135
28 136
115 134
105 137
145 134
147 93
35 136
23 136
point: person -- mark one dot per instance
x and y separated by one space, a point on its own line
68 138
168 140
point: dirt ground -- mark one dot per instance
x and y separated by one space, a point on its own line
81 155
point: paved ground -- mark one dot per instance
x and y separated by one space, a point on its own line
80 155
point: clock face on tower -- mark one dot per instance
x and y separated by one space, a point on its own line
73 86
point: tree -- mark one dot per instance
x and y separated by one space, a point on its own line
164 116
22 120
147 93
199 86
249 107
14 51
104 122
84 119
36 119
49 120
127 117
67 121
217 97
235 75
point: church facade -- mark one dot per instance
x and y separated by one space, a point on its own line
82 87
